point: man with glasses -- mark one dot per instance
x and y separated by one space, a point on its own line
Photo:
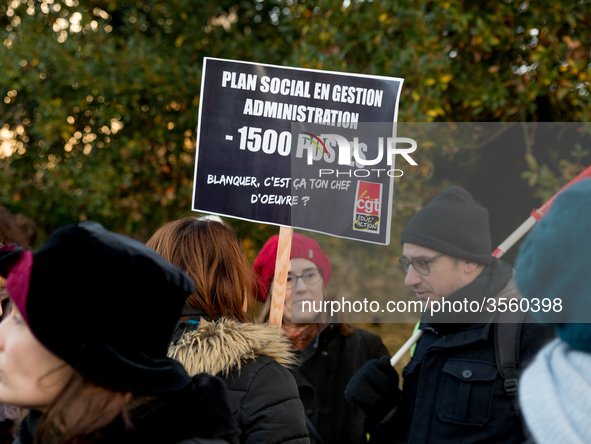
453 391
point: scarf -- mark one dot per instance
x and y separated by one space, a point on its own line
300 337
9 412
555 395
486 285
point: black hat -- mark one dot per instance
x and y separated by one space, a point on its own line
453 224
107 305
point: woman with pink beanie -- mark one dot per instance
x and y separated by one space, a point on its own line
330 352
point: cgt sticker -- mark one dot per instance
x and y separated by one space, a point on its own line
366 214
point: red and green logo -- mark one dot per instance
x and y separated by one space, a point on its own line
319 140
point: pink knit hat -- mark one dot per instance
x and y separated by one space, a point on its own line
301 247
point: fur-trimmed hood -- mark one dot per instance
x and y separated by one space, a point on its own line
218 347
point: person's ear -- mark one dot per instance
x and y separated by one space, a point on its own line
469 267
245 303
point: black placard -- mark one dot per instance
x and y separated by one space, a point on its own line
245 144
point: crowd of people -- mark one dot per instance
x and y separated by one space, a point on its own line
104 339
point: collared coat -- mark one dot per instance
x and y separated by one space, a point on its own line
328 363
196 414
453 392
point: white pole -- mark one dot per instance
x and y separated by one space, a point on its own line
406 347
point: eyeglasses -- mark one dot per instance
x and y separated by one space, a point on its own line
310 277
421 266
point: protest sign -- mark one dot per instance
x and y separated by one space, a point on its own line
251 119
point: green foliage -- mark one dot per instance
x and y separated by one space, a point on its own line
547 182
99 98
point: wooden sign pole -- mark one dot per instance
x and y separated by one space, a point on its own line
280 279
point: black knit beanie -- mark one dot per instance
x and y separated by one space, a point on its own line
453 224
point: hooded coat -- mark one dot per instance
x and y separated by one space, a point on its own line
252 360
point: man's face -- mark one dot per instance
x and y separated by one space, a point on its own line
444 277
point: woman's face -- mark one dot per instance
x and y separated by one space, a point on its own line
30 375
294 309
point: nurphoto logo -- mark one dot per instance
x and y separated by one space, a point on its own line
334 147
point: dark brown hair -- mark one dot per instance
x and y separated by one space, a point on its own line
81 410
9 230
211 254
27 227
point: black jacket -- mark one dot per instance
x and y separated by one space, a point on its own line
262 393
452 391
197 414
328 363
